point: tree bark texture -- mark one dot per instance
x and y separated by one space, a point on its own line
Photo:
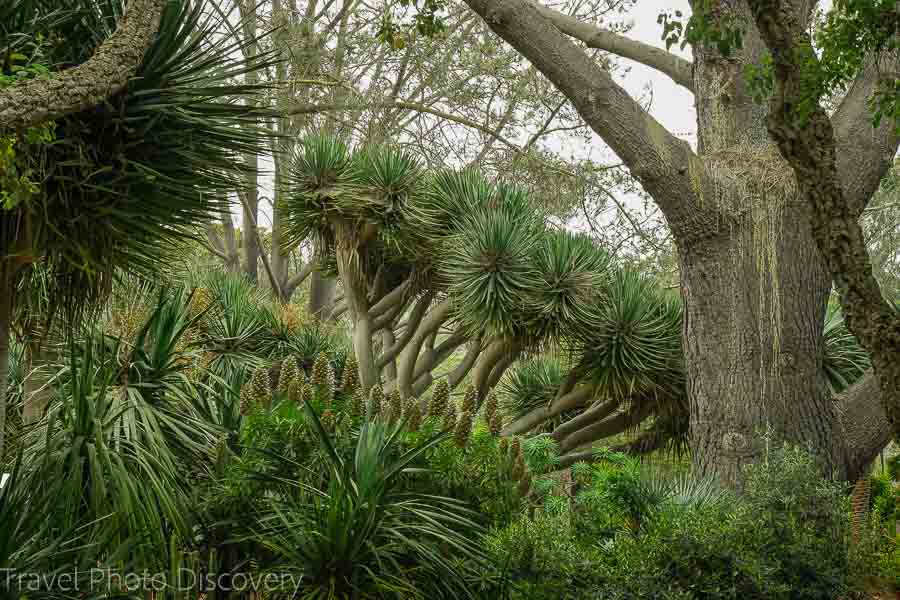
106 73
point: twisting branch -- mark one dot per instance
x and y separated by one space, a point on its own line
595 413
412 324
105 74
677 68
614 425
408 358
865 153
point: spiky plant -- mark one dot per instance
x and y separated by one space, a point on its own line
358 403
394 405
412 414
470 398
636 348
322 379
530 384
492 415
448 419
463 429
574 273
844 360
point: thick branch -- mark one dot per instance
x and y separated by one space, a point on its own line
865 153
496 352
105 74
389 300
677 68
665 165
468 361
412 324
569 401
297 280
863 423
808 144
595 413
410 354
608 427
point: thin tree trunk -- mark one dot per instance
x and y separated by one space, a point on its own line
321 294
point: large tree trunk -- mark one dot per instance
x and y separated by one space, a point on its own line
753 346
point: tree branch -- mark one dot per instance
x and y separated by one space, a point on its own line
677 68
412 324
410 354
665 165
571 400
863 424
595 413
105 74
615 425
865 153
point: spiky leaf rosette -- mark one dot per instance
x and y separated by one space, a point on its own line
383 180
319 170
844 361
489 271
128 181
440 399
636 349
463 429
289 374
530 384
573 271
434 215
376 401
350 375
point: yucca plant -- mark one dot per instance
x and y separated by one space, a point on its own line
844 360
111 456
364 536
125 182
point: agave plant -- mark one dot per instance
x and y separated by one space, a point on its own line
364 535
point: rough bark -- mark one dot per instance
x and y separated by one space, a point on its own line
106 73
808 144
